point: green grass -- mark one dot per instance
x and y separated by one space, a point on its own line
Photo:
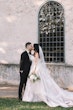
14 104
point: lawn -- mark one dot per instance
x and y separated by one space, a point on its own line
14 104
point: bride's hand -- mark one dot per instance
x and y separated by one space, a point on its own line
33 72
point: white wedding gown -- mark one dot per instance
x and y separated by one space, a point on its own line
46 89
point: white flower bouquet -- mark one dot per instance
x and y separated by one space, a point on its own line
33 77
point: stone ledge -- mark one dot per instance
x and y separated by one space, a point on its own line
49 64
59 64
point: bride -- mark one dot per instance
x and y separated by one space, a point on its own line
41 86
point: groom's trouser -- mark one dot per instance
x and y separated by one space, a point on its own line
23 80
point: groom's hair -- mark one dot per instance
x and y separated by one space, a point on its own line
28 43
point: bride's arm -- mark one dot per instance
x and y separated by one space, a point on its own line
36 58
35 61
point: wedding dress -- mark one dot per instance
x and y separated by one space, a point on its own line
45 89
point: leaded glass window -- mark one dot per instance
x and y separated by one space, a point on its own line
51 31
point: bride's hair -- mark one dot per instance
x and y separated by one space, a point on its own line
36 48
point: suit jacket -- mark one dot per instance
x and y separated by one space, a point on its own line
25 62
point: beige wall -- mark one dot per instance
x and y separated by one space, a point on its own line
19 24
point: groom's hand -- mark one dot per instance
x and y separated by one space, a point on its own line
21 71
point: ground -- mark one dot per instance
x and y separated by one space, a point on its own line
14 104
8 91
9 101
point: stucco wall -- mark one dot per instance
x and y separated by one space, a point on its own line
19 24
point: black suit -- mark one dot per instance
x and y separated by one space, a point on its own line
25 64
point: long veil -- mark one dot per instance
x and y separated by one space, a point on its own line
41 55
42 58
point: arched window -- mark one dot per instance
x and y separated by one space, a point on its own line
51 31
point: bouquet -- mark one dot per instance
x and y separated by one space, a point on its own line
33 77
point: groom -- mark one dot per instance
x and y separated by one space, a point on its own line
25 64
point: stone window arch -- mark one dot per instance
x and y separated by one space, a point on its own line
51 31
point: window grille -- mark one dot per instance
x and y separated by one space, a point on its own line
51 31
